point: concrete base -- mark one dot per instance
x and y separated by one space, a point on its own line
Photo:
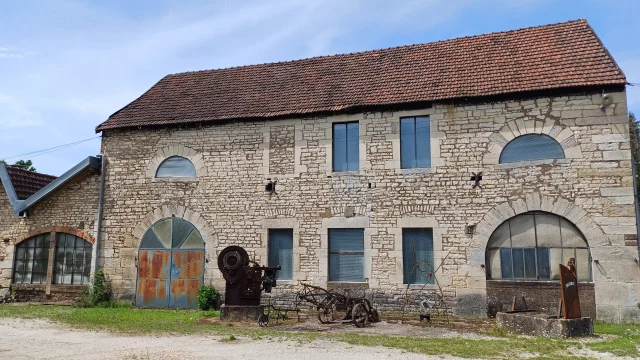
240 313
539 324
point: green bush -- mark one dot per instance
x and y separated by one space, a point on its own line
208 298
99 294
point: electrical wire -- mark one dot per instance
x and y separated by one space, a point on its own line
33 154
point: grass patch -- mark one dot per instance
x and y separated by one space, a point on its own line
123 319
626 342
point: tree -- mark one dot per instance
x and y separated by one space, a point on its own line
27 165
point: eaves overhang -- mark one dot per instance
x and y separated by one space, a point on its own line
20 206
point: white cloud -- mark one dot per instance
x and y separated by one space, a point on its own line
9 52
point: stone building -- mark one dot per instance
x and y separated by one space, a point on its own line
484 161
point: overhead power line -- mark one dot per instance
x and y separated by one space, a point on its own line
33 154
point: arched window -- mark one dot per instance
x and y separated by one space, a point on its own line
31 260
73 260
531 147
530 247
176 166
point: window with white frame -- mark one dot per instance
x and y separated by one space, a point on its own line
415 142
530 246
346 255
280 246
346 147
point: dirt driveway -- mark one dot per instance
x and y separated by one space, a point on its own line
40 339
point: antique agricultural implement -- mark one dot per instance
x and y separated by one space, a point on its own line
330 305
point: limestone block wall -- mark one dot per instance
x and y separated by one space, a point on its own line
592 187
71 209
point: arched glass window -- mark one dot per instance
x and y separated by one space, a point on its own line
176 166
73 260
531 147
31 260
530 247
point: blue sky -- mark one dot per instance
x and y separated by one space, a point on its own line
65 66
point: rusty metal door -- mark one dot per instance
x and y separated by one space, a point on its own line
186 277
153 278
170 266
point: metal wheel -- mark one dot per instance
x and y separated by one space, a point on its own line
359 315
263 320
325 316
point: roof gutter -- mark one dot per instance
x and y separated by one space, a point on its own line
20 206
9 189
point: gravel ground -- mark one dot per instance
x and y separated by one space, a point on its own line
40 339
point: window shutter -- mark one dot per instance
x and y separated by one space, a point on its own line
346 255
417 248
281 252
531 147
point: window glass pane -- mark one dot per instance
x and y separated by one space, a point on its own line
20 252
346 267
555 258
530 264
281 252
163 231
346 255
523 233
548 230
194 241
181 229
346 240
531 147
340 147
571 236
506 264
517 255
176 166
353 146
35 278
500 237
26 278
417 255
423 142
583 265
150 241
543 264
494 263
31 242
407 143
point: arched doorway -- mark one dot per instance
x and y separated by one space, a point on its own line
171 265
522 259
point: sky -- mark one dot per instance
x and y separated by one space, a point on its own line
65 66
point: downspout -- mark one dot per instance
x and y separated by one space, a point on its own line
103 174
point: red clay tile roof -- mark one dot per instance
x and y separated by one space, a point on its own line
564 55
27 183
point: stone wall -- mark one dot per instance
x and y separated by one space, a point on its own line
71 209
592 187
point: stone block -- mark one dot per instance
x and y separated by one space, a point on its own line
537 324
